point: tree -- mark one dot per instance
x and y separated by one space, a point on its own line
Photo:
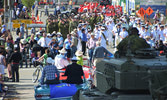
28 3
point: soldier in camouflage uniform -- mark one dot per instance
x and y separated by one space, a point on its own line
72 24
55 25
136 43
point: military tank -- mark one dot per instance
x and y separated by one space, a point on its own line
138 75
130 78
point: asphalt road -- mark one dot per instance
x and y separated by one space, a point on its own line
23 90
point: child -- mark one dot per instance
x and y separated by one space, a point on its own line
79 55
37 57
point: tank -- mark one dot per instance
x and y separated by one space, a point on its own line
134 77
136 73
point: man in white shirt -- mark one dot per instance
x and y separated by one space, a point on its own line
44 42
60 60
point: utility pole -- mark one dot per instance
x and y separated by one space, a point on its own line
10 15
5 12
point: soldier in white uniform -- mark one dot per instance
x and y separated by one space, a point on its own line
142 30
155 34
162 33
117 31
146 33
96 31
123 33
103 37
109 31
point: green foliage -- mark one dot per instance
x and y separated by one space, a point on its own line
28 3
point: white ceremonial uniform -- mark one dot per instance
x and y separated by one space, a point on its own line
155 35
97 33
145 34
162 33
103 41
110 34
123 35
117 37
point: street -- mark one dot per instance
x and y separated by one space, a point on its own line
22 90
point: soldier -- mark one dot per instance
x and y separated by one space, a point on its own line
61 28
71 25
117 31
123 33
50 27
138 43
103 38
55 24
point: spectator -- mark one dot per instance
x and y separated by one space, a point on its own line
54 47
70 4
60 40
36 10
23 52
3 30
22 30
14 59
91 46
37 37
18 13
50 72
79 55
74 43
8 54
74 72
60 60
67 44
2 63
44 43
18 40
83 41
44 57
46 7
99 53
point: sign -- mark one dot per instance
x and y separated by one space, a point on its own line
16 25
142 12
149 11
161 8
26 21
15 21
